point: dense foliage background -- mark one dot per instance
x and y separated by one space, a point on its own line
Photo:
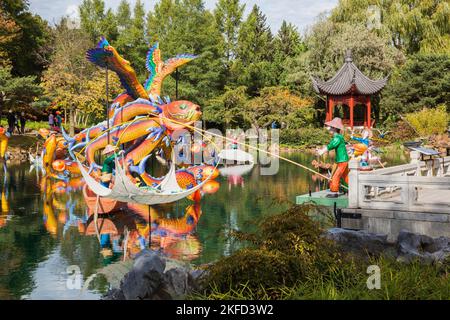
246 74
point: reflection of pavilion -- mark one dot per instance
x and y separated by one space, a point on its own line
234 174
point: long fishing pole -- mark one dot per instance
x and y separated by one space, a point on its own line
201 131
252 147
107 101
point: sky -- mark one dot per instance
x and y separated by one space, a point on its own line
301 13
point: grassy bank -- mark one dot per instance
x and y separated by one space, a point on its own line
23 141
288 258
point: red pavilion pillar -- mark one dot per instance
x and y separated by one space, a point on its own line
369 113
352 104
329 116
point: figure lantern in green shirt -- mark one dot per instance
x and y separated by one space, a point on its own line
335 127
108 164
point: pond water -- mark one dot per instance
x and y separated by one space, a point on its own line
47 227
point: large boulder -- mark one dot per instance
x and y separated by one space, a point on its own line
412 246
177 283
359 242
146 277
156 277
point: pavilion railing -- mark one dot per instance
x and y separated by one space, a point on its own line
420 186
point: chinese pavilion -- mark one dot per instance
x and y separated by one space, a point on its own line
351 89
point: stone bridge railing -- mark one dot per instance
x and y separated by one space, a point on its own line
420 186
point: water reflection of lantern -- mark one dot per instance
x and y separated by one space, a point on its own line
102 205
59 187
5 209
50 222
62 217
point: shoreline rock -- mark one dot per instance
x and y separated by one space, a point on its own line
155 277
408 247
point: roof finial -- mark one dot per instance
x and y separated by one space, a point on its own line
348 56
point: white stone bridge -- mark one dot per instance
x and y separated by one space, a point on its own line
414 196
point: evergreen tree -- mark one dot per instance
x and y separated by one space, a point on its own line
288 43
108 25
132 43
185 26
424 81
255 38
17 91
255 53
228 14
123 16
95 22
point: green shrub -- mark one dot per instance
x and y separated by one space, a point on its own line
289 259
429 121
287 248
400 131
304 137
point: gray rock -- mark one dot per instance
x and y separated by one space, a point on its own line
145 278
411 246
114 294
177 283
361 242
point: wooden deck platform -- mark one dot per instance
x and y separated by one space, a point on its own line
320 199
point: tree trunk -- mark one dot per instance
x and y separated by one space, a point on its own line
71 121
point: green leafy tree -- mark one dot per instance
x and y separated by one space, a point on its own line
413 26
424 81
228 108
72 82
137 47
279 105
30 51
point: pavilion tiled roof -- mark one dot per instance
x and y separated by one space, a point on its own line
348 78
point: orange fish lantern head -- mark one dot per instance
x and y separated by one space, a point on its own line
61 144
183 112
210 170
211 187
2 131
59 165
44 133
